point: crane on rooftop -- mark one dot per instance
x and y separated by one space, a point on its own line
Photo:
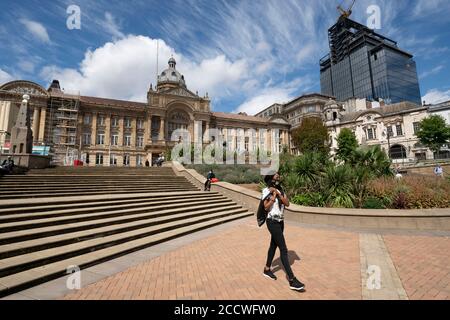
346 13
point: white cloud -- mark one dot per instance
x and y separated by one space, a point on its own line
264 99
5 77
426 7
282 93
433 71
434 96
112 27
125 68
26 66
36 29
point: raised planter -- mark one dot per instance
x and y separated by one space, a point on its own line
425 219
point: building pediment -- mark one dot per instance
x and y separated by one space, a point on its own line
181 92
368 116
278 119
25 87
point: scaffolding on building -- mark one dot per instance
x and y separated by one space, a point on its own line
65 146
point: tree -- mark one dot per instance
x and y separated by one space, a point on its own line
434 132
347 145
311 136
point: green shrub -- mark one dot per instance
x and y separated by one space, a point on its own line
373 203
313 199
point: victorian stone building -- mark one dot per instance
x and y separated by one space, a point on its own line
104 132
394 127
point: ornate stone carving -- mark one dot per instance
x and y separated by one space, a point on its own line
181 92
25 87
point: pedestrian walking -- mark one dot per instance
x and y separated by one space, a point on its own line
275 200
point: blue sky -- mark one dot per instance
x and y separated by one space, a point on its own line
246 54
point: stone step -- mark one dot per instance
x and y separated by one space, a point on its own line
99 192
50 204
103 218
69 181
26 246
25 279
30 260
24 235
75 187
41 213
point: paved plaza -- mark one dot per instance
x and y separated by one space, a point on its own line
333 263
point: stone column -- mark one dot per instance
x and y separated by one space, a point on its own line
42 124
133 135
148 129
162 130
36 122
93 131
206 137
268 139
108 130
121 132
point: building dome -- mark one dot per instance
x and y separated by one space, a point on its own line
171 75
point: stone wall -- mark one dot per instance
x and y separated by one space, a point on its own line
28 161
426 219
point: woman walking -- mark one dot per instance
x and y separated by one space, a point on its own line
275 200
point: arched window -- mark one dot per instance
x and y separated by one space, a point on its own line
178 120
398 152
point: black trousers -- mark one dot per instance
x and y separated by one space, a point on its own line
276 230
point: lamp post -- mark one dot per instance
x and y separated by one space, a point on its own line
388 135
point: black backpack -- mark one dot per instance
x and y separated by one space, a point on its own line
261 213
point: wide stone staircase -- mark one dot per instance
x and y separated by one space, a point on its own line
56 218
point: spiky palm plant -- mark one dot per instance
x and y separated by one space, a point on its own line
337 186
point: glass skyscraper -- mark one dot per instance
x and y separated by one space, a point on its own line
364 64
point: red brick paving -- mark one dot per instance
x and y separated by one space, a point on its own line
229 266
423 264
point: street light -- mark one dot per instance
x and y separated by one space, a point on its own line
388 135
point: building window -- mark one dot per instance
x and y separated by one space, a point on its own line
127 141
246 143
416 126
115 122
399 130
87 119
127 123
371 134
390 131
126 160
113 160
140 141
114 140
99 159
140 124
139 160
311 109
101 120
100 138
87 139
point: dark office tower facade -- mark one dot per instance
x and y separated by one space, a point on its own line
364 64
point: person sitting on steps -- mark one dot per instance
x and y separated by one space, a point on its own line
7 166
209 177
